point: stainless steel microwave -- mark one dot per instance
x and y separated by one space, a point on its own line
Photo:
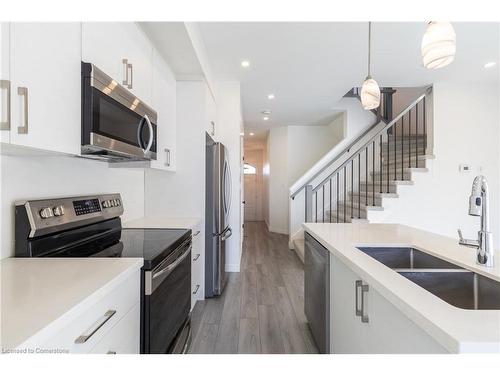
116 125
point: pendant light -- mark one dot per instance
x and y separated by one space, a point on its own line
370 92
438 45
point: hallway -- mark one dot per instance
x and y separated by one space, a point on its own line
262 307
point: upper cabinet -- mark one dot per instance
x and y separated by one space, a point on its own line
44 85
5 86
164 102
211 113
122 51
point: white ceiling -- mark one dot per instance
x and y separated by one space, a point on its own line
310 66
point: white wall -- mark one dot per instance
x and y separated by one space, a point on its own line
31 177
292 151
229 128
466 130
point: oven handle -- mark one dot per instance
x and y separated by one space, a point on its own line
168 269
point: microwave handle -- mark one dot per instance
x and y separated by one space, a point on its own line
151 135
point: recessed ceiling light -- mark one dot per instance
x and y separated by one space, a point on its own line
270 96
265 118
251 134
490 64
245 63
266 112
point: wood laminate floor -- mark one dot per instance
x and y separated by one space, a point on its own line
262 307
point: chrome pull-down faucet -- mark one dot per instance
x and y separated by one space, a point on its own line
479 206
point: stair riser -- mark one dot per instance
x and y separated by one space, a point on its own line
405 151
405 164
368 201
392 188
348 212
391 176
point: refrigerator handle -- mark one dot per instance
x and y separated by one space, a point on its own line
227 233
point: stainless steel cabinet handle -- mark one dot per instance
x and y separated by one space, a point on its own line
196 289
125 72
23 91
361 311
196 257
196 233
226 234
168 157
130 69
95 327
5 85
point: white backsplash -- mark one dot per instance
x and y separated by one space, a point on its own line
29 177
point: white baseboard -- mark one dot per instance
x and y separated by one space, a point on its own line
232 267
277 230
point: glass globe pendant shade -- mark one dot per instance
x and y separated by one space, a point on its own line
370 94
438 45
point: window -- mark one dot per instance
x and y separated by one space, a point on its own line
249 169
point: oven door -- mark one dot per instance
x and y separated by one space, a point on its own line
115 123
167 302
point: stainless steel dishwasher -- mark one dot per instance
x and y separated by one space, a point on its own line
317 291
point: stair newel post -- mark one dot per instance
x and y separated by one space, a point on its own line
425 127
409 138
337 201
308 205
402 144
366 176
323 202
315 206
380 161
388 156
345 187
330 216
352 188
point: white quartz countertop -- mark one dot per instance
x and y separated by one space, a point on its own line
39 293
163 222
458 330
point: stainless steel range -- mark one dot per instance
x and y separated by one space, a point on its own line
90 226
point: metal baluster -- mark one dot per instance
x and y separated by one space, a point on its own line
388 153
381 167
352 184
338 174
409 138
402 143
345 187
316 206
366 176
416 135
394 143
425 128
359 190
373 170
330 216
323 203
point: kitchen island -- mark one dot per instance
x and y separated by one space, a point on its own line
374 309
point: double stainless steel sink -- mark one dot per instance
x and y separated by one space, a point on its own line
455 285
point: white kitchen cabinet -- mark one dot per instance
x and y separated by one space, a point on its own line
122 51
164 102
197 266
5 86
211 113
44 61
114 320
387 329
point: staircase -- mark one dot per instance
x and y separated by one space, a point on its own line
372 174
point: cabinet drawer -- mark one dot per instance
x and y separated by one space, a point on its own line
82 333
123 338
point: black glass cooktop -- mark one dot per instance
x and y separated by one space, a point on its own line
153 245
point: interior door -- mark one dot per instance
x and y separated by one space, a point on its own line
250 197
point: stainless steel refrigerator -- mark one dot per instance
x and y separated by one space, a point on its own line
217 207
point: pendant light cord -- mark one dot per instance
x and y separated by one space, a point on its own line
369 46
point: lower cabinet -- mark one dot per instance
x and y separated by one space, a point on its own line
111 325
363 321
197 266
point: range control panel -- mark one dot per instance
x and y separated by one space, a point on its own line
50 215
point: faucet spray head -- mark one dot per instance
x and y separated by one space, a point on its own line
475 199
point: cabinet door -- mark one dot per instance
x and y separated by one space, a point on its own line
5 86
108 44
198 267
346 329
387 330
211 113
164 102
45 81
